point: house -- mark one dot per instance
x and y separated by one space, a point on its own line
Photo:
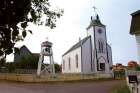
24 52
135 29
90 55
118 67
132 64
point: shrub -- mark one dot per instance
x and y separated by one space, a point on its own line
121 89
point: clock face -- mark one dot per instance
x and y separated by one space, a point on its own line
99 31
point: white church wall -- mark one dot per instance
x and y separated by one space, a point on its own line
101 36
71 55
87 65
90 32
94 61
138 45
110 55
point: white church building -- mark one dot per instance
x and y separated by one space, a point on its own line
90 55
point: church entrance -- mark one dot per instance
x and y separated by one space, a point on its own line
102 66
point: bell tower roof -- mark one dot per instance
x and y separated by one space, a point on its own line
95 22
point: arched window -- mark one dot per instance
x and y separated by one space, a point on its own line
101 46
76 60
69 64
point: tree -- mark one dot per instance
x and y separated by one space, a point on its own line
15 15
2 62
27 62
57 68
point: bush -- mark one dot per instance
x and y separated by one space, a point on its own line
121 89
119 74
137 68
57 68
10 66
29 62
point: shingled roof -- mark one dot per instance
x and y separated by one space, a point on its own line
77 45
135 13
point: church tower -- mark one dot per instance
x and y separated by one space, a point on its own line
97 31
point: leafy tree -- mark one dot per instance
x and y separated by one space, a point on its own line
29 62
9 67
137 68
15 15
2 62
57 68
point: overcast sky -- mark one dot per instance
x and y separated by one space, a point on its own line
115 14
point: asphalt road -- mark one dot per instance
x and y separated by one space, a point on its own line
82 87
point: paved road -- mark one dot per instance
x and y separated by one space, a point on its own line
84 87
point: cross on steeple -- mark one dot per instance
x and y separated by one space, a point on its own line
94 9
94 12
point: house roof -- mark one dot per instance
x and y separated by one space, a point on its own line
135 23
77 45
24 47
135 13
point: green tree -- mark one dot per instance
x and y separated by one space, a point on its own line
2 62
57 68
15 15
28 62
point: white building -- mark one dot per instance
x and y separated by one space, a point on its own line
135 29
90 55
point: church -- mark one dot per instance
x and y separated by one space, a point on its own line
90 55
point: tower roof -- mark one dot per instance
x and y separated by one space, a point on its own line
95 22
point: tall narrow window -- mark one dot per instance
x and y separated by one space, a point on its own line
63 64
76 60
101 46
69 63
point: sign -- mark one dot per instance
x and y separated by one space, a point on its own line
132 79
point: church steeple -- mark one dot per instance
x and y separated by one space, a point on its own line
97 17
95 21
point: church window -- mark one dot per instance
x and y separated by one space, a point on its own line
63 64
69 63
99 31
101 46
76 59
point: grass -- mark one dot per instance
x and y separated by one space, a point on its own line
121 89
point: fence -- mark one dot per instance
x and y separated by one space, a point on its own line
133 73
18 71
57 77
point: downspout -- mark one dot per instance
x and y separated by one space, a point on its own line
81 55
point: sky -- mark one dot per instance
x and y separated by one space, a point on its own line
115 14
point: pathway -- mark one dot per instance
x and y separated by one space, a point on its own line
81 87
